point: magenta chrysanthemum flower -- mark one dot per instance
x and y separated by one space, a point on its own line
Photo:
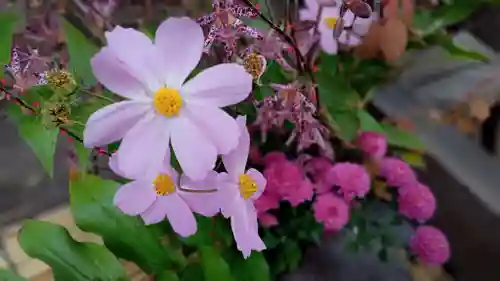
430 245
238 190
162 109
317 168
304 192
154 196
416 202
397 173
274 157
283 177
329 19
267 220
331 210
373 144
353 180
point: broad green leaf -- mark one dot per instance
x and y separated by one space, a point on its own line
167 275
447 43
81 50
40 139
413 158
274 73
336 94
254 268
368 123
69 259
402 138
347 123
292 253
127 237
38 94
261 92
215 268
83 154
7 23
7 275
210 231
193 272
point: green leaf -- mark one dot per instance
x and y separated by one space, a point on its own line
41 140
7 275
402 138
292 253
254 268
458 51
347 123
7 24
193 272
83 154
368 123
215 268
38 94
274 73
69 259
167 275
210 231
127 237
80 50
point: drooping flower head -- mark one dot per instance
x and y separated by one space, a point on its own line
154 196
238 190
162 110
430 245
350 28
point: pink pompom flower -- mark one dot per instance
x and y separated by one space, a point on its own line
267 219
396 172
317 168
416 202
331 210
353 179
372 144
430 245
283 177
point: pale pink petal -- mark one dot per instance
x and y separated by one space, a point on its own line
221 85
178 214
260 180
229 195
312 5
180 41
361 26
307 14
144 148
328 43
245 230
349 38
194 151
114 75
137 52
206 204
134 197
112 122
236 160
216 124
328 12
155 213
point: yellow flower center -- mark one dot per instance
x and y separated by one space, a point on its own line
59 78
164 185
253 65
330 22
247 186
168 102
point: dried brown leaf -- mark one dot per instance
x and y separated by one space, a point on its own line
370 46
402 9
393 39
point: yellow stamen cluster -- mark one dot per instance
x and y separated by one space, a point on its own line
253 65
168 102
330 22
59 78
164 185
247 186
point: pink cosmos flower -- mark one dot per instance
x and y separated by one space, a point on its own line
238 190
431 245
329 19
397 173
331 210
352 179
161 109
372 144
267 220
267 201
416 202
154 196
